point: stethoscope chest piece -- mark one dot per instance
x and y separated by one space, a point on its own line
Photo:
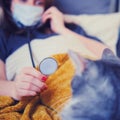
48 66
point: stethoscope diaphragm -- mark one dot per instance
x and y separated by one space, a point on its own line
48 66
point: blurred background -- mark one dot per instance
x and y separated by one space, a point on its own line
88 6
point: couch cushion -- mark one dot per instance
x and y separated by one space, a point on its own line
85 6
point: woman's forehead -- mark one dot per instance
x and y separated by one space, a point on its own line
28 0
31 2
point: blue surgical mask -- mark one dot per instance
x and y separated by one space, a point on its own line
26 15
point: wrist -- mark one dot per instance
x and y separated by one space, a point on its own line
11 88
13 91
63 31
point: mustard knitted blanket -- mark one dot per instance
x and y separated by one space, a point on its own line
46 105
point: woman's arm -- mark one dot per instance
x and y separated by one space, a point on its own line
94 46
57 26
6 87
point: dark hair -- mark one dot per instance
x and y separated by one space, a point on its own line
6 20
49 3
4 17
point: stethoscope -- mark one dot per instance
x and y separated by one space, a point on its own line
47 66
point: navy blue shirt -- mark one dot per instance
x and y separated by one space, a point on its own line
9 44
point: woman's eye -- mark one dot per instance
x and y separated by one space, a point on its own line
39 3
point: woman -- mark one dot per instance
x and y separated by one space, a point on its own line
24 21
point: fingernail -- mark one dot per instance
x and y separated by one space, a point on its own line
44 78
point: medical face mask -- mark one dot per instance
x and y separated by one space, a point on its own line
26 15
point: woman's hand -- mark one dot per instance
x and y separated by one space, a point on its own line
28 82
56 19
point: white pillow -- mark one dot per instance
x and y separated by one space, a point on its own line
103 26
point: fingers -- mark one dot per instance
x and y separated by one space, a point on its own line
48 14
46 17
32 84
56 19
24 93
33 72
31 87
50 11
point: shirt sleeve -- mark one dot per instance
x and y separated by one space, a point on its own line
81 31
3 50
